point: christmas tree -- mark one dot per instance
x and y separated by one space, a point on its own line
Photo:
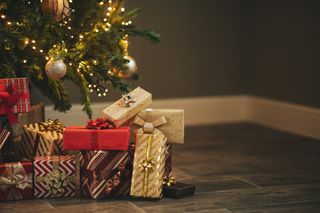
85 41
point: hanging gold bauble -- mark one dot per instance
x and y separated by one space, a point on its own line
130 71
56 69
59 9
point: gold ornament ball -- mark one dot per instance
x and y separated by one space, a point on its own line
131 69
56 69
59 9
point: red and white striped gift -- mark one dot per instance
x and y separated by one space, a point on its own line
60 170
22 87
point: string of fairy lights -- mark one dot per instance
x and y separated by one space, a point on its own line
83 66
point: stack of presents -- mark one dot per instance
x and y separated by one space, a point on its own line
126 153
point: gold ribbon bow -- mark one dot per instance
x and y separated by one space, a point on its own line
15 178
55 181
51 125
147 165
169 180
148 126
128 100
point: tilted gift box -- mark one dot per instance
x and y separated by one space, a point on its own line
18 95
54 176
173 128
128 106
42 139
80 138
105 173
16 181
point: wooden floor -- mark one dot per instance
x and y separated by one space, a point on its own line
236 168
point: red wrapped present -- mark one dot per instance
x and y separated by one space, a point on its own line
54 176
14 97
80 138
105 173
16 181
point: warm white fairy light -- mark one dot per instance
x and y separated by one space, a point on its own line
104 94
122 9
3 16
24 61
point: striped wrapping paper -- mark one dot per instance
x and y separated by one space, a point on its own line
47 139
46 166
4 134
105 173
148 165
22 86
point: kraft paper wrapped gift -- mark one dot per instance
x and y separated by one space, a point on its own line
54 176
42 139
173 128
128 106
16 181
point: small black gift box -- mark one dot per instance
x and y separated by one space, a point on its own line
178 190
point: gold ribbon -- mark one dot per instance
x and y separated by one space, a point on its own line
51 125
148 126
147 166
169 180
15 178
55 181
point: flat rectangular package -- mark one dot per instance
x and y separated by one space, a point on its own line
173 128
80 138
19 173
39 142
54 176
119 112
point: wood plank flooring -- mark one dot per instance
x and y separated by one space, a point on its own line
236 168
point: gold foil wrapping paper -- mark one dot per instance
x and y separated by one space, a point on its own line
148 165
40 142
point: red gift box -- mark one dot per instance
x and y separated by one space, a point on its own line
80 138
54 176
16 181
105 173
21 87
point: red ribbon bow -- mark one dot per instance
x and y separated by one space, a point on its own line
8 98
100 123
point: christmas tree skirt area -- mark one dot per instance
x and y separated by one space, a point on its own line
235 168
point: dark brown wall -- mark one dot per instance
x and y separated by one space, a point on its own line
201 51
284 56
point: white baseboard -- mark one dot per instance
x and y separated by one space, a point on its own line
293 118
279 115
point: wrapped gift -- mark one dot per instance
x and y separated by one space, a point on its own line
178 190
54 176
128 106
173 128
36 115
105 173
16 181
168 161
4 135
14 97
42 139
81 138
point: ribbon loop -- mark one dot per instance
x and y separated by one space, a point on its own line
51 125
100 123
148 126
128 100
